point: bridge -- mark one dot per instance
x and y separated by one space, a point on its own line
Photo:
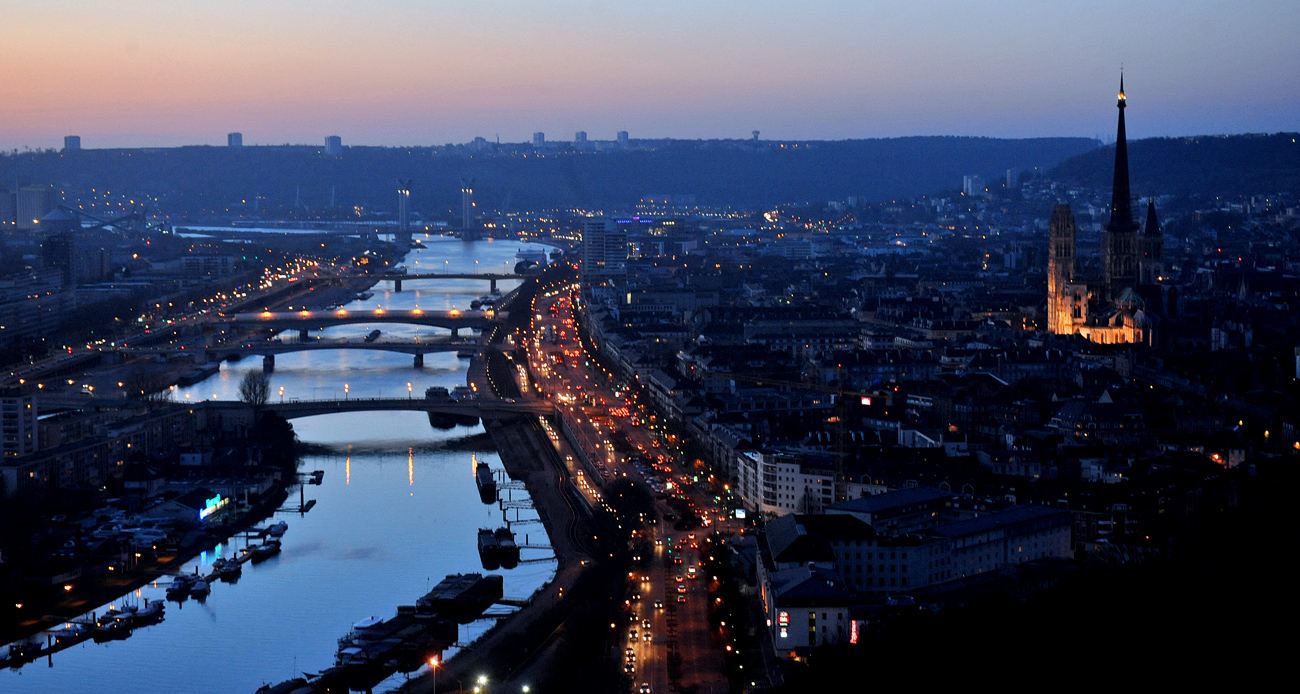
397 278
267 349
484 409
305 321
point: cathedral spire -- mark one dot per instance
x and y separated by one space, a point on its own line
1121 210
1153 224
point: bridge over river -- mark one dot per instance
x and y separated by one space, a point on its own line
485 409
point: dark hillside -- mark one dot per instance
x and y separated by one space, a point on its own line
1221 165
197 181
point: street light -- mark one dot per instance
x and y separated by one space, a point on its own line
282 394
345 391
408 391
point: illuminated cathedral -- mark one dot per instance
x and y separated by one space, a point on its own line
1111 309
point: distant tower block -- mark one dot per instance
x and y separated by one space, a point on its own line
539 140
404 209
467 203
334 146
71 143
580 139
622 138
235 139
755 136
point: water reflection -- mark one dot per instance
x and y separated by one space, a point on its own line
368 545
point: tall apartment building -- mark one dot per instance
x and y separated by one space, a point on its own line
622 138
334 146
604 248
539 140
31 204
71 143
234 139
17 422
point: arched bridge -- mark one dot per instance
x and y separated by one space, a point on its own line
304 321
270 348
397 278
485 409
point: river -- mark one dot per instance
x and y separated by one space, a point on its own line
395 513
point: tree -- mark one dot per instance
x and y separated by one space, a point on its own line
255 389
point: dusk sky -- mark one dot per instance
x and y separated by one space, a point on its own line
407 72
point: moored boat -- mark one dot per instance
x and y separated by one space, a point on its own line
507 550
487 484
487 549
278 529
264 551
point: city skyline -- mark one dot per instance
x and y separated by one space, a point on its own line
165 74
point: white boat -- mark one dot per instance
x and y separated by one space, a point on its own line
278 529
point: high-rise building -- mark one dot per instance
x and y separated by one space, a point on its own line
467 204
18 433
972 185
539 140
404 206
235 139
31 204
604 248
8 209
71 143
580 139
334 146
622 138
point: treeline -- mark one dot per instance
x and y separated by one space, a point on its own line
198 181
1214 165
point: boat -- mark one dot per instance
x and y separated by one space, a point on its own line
180 587
264 551
148 613
364 296
466 352
487 484
279 529
200 589
488 552
507 550
462 597
71 630
372 336
227 569
112 630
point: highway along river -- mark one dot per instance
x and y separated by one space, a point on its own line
395 513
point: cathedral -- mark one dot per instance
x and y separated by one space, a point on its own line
1111 309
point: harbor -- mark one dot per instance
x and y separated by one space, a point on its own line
397 508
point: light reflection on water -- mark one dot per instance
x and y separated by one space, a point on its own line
394 515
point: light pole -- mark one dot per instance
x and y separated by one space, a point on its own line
345 391
281 394
408 391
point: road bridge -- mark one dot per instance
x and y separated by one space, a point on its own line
270 348
306 321
397 278
484 409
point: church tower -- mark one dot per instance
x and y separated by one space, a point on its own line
1120 250
1060 271
1153 247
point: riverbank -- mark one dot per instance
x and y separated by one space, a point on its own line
501 649
91 591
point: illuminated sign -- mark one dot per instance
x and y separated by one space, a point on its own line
740 514
783 619
853 631
211 506
866 401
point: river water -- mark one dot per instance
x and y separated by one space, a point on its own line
396 512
